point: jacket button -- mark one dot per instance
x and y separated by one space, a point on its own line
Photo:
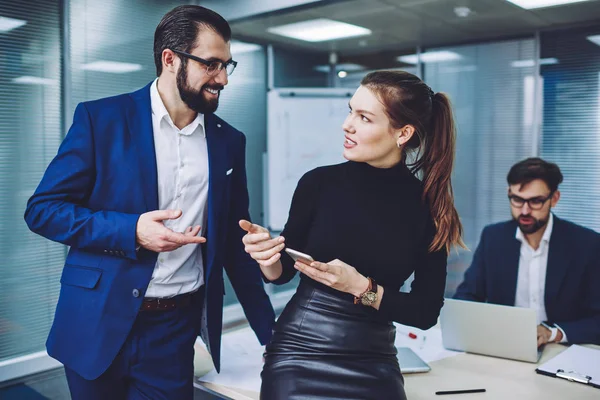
136 293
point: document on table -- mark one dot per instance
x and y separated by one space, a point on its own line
427 344
576 364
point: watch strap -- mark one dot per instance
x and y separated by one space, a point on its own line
372 285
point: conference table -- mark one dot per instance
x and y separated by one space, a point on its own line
502 378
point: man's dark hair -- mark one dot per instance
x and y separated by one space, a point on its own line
178 30
534 168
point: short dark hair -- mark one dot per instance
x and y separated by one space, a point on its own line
179 28
534 168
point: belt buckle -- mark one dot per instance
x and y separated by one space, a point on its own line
160 303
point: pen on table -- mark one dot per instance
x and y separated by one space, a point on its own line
460 391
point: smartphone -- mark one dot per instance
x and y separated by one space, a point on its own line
298 256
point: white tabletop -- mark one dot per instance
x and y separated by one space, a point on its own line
502 379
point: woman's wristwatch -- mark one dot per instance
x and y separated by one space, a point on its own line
369 296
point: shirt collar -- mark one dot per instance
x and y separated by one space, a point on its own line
159 109
547 233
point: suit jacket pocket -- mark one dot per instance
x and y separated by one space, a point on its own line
80 276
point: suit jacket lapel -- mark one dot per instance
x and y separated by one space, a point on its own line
558 263
217 168
139 120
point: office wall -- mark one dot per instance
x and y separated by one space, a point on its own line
493 98
30 132
571 119
293 68
115 31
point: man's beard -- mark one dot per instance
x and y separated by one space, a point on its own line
532 227
195 100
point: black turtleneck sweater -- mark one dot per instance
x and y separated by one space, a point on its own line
374 220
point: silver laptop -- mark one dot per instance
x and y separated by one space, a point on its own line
490 329
410 362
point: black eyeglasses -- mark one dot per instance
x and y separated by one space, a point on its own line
212 67
535 203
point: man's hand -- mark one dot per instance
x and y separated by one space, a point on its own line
543 335
259 244
153 235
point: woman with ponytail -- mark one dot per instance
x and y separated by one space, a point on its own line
369 224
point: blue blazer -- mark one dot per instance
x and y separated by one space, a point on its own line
572 292
90 198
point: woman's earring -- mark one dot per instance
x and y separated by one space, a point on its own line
399 145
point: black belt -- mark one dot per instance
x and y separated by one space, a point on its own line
167 303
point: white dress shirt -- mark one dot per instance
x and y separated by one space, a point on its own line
531 280
182 167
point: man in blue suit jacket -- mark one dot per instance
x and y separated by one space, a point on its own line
539 261
138 177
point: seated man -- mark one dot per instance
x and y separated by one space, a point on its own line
539 261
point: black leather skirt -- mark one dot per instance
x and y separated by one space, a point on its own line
325 347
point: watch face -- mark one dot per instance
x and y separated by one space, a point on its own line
369 298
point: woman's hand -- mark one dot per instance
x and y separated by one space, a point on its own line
336 274
262 248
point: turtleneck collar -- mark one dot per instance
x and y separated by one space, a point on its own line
398 171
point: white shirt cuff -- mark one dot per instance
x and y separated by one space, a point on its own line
564 335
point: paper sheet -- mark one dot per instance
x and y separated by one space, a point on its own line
427 344
578 359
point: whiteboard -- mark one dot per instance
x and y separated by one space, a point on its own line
304 131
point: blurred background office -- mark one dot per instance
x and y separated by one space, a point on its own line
524 76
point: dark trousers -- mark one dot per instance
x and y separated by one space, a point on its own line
156 361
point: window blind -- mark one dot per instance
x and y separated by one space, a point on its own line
30 132
492 89
571 120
